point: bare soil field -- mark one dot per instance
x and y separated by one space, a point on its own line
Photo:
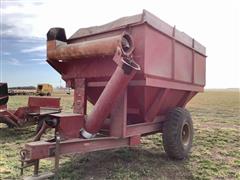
215 153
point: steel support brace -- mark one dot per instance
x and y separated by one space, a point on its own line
79 96
156 105
144 128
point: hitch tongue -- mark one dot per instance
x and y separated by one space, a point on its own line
36 176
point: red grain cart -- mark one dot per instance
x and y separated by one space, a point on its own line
138 72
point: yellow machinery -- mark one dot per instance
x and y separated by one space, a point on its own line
44 89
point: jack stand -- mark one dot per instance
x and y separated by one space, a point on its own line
57 156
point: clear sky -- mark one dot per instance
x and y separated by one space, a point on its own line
24 24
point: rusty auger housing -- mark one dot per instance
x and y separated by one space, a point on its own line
134 71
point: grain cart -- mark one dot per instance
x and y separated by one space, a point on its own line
138 72
37 110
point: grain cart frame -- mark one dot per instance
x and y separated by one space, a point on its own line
138 71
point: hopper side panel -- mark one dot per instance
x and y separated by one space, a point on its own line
158 54
199 69
183 63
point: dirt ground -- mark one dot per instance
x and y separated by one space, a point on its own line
215 153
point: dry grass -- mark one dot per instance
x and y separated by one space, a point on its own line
215 153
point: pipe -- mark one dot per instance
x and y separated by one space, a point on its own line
120 46
59 50
115 87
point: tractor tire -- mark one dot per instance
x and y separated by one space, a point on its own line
178 133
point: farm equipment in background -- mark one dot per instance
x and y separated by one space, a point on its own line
28 90
37 110
44 89
138 72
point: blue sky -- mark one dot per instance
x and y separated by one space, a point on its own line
23 54
24 62
24 24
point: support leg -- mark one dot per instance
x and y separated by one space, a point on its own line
36 168
57 157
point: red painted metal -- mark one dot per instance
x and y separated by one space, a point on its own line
38 107
69 125
127 105
116 85
50 102
3 107
144 128
8 117
156 105
118 116
42 149
135 140
101 47
169 59
172 69
80 100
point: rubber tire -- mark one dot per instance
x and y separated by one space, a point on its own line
172 133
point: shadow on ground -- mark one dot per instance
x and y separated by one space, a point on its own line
125 163
10 135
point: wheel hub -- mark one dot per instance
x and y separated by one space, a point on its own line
185 135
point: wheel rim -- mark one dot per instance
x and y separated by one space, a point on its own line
185 135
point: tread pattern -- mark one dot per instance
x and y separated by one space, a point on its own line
172 133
